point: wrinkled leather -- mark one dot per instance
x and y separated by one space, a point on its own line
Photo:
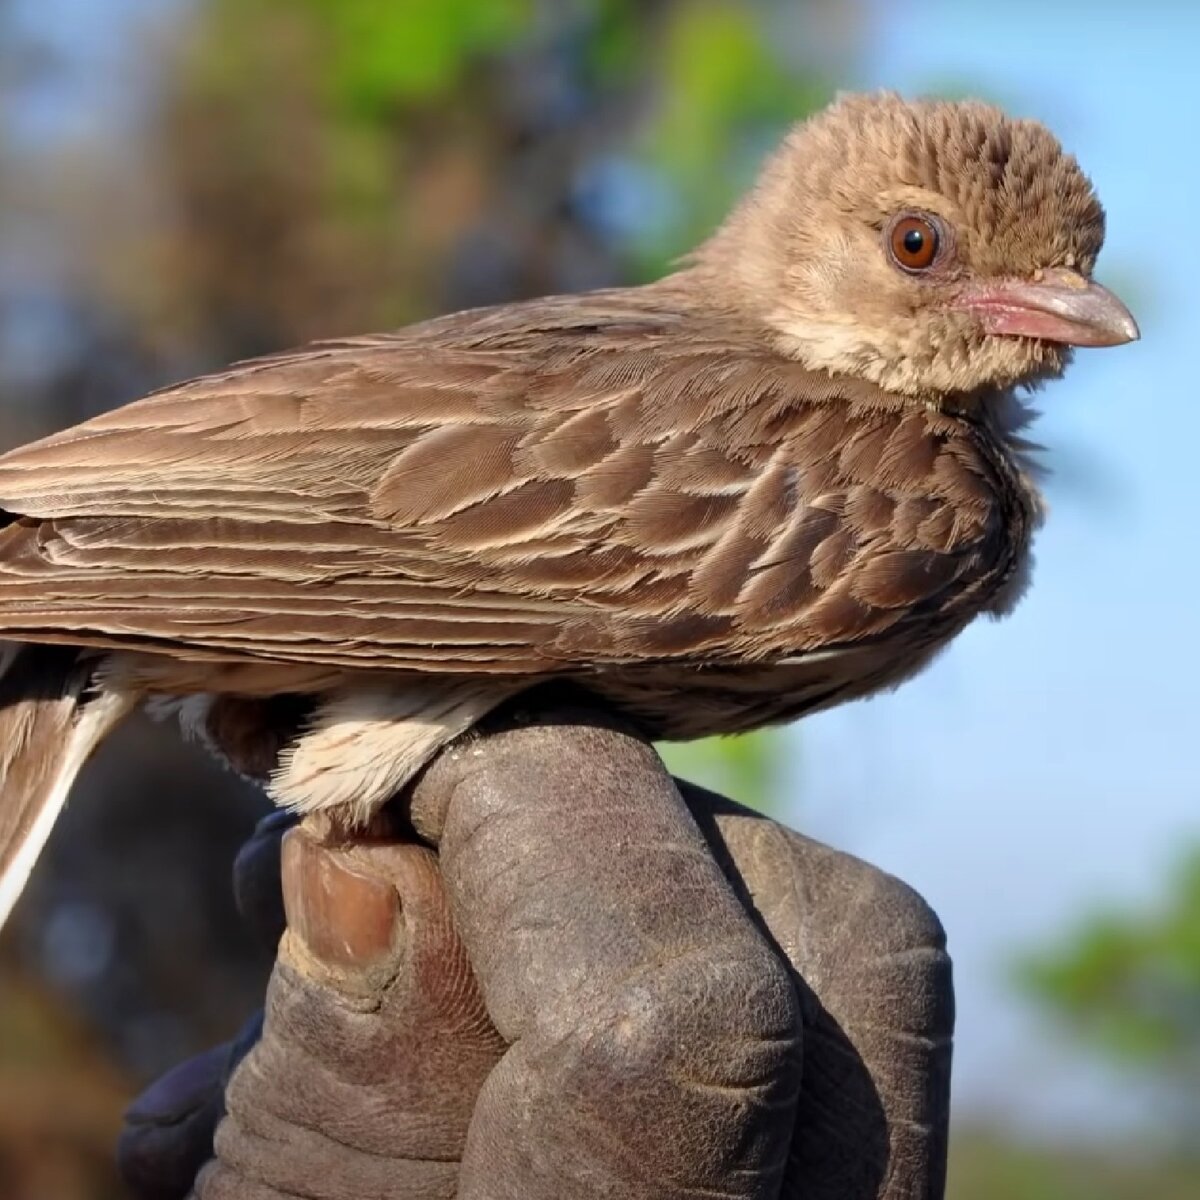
667 996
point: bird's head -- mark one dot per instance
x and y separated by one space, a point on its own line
927 246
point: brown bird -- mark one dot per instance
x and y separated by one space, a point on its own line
784 476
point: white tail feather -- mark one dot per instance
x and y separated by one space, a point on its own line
47 733
364 744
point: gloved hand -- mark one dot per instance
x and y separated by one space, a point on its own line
611 987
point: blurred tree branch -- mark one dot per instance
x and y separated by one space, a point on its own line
261 172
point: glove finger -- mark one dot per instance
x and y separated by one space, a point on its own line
375 1042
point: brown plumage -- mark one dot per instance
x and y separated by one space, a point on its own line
781 477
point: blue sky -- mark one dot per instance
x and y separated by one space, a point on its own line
1045 764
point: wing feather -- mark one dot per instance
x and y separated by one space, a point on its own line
505 491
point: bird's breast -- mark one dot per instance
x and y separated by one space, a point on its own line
863 545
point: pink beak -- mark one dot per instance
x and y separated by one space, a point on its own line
1058 306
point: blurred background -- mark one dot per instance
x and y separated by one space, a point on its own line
184 182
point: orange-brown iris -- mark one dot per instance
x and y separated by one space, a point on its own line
914 243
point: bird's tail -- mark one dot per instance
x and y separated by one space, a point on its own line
52 716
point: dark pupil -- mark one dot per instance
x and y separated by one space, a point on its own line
914 242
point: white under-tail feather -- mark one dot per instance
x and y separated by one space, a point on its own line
364 743
51 719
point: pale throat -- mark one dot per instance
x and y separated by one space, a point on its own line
905 359
902 362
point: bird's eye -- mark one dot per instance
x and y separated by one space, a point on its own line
913 242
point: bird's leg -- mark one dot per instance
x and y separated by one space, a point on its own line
653 1033
342 826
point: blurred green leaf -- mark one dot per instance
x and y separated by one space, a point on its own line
744 768
1129 984
723 89
381 54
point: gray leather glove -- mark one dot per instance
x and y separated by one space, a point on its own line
667 996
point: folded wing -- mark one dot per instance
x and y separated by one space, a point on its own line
488 493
